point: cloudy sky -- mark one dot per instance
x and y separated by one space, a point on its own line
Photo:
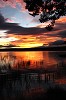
20 29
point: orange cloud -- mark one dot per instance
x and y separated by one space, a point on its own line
27 41
62 20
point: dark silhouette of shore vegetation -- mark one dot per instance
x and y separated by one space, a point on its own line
40 48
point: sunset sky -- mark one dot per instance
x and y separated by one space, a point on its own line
20 29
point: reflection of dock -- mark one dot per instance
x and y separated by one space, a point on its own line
40 70
28 81
40 74
18 73
27 76
25 80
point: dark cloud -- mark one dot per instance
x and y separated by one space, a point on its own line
2 20
57 42
6 26
62 34
8 46
14 28
61 25
26 31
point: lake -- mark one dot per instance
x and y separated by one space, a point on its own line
44 69
32 59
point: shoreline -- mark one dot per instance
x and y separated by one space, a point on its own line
41 48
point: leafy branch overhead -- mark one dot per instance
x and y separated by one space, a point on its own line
47 9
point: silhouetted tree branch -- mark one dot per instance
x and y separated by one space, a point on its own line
48 10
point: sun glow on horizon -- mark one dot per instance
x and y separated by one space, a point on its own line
28 45
5 39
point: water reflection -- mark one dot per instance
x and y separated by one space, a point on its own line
24 74
29 59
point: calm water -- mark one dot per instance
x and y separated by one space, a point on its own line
33 59
54 64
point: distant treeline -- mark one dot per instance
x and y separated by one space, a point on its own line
41 48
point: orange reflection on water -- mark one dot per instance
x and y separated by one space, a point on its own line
61 81
35 59
29 59
33 56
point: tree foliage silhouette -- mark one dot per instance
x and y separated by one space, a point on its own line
47 9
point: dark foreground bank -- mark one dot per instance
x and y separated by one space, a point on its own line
55 93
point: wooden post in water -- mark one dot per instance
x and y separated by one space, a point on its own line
46 78
53 76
